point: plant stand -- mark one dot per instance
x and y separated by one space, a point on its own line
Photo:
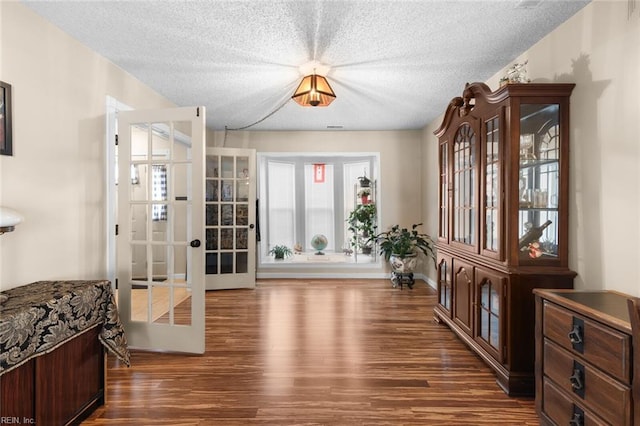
400 278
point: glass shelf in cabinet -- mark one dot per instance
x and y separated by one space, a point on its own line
527 254
537 209
533 110
526 164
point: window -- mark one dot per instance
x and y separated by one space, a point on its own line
159 191
352 171
319 205
280 202
301 195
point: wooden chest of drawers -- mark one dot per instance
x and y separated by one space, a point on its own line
584 360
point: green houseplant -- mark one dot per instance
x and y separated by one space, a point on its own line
361 222
399 243
280 251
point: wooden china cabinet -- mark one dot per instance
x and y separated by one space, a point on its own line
503 219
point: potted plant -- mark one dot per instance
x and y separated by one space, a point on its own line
362 225
365 182
280 252
400 246
364 195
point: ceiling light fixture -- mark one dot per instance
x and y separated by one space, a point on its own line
314 90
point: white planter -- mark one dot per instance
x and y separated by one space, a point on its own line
403 265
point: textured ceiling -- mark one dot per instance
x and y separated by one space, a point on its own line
392 64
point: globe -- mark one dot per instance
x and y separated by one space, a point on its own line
319 242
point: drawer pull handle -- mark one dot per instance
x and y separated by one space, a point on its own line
576 380
575 335
577 420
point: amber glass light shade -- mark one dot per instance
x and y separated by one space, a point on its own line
314 90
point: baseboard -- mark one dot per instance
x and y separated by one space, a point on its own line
346 276
321 275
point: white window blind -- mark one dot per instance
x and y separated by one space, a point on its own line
319 205
281 204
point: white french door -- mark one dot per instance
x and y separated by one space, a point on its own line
230 243
160 257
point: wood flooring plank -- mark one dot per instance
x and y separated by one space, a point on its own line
314 352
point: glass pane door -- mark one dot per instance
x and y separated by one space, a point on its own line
230 218
161 291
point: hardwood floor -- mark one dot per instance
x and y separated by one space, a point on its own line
159 305
305 352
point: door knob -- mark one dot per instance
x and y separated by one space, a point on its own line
251 226
195 243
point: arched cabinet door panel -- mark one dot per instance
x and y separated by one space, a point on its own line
491 307
463 295
445 284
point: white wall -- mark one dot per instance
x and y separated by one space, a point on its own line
400 186
599 50
56 177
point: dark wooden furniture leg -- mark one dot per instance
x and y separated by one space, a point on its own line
634 318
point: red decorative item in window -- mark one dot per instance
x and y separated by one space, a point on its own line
318 173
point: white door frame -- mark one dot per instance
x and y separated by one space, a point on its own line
113 106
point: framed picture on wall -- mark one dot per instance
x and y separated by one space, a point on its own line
6 146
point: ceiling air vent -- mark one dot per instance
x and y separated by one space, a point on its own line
527 4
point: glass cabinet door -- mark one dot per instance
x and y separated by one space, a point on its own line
489 313
464 186
491 201
489 297
539 182
444 283
443 222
